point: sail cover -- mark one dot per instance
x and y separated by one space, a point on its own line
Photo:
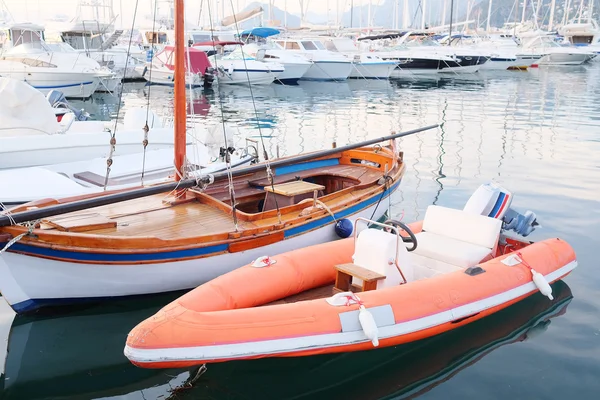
241 16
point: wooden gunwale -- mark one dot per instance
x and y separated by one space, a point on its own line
91 242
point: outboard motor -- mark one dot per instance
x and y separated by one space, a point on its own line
57 100
522 224
492 200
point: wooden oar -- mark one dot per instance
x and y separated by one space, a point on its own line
32 215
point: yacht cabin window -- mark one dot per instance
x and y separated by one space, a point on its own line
309 45
292 46
319 45
21 36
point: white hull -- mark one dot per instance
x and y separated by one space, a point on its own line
495 65
372 71
25 279
293 72
245 77
71 84
31 150
164 76
329 71
563 59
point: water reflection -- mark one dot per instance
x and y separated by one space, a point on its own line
400 372
534 132
80 355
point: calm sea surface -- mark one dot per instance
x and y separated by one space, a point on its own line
537 133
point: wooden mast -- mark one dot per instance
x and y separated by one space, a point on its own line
180 99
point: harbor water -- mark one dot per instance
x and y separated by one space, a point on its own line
536 132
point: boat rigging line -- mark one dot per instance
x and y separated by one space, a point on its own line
147 127
113 139
119 196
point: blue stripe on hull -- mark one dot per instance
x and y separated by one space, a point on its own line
292 169
63 86
72 256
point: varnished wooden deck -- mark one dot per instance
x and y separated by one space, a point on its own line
208 214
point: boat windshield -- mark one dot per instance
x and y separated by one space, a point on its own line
29 48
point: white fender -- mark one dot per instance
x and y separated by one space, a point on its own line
367 322
542 284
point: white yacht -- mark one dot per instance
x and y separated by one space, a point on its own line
161 69
584 34
367 65
326 65
554 54
238 68
295 66
25 56
408 62
100 42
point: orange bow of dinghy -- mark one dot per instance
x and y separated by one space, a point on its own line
284 305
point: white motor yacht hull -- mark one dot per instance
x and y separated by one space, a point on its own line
329 71
293 73
165 77
245 77
376 70
71 84
564 59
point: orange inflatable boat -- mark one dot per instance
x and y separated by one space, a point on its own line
383 287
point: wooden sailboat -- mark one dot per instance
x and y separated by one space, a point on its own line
179 235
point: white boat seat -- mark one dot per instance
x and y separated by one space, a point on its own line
375 250
424 267
456 237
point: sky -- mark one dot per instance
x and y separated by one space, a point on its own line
41 10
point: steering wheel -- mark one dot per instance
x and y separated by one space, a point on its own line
411 236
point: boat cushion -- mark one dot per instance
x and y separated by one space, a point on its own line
449 250
462 226
424 267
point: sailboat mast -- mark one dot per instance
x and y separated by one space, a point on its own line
180 99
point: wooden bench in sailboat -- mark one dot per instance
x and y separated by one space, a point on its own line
290 193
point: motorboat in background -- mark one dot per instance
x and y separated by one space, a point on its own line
554 54
367 65
160 69
238 68
295 65
326 65
25 56
100 42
